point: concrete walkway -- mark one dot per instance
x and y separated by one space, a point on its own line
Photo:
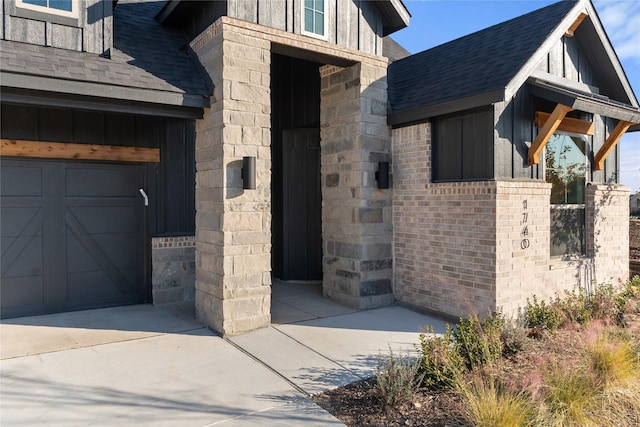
146 365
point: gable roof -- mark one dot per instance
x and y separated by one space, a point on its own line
149 64
393 50
492 64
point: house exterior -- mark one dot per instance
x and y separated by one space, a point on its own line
634 204
181 150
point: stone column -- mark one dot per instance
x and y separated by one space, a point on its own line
356 215
233 226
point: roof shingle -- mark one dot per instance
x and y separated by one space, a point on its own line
478 63
145 56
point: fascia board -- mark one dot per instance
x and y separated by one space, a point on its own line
424 113
73 87
529 67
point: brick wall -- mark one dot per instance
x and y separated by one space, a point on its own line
608 231
174 269
471 247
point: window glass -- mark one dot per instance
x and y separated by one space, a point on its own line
565 170
65 5
314 17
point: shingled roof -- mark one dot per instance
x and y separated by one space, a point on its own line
149 63
484 62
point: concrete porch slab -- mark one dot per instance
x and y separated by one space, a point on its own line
44 334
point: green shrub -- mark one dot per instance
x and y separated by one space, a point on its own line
575 307
478 342
397 379
440 363
629 292
513 335
541 317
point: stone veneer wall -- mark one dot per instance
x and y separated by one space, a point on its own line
233 227
356 215
174 269
478 246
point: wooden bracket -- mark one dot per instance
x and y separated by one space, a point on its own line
570 32
551 125
609 144
568 124
59 150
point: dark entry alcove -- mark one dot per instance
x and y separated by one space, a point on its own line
296 190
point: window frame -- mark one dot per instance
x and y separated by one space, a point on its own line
559 208
325 21
45 11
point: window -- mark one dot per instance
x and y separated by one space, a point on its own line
66 8
314 19
566 171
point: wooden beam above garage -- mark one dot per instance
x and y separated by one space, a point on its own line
568 124
609 144
550 126
59 150
570 32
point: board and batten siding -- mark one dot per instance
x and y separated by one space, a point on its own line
170 183
356 24
514 119
91 31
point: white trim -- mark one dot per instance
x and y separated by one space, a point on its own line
50 10
325 21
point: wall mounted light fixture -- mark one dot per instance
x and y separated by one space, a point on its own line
249 173
382 176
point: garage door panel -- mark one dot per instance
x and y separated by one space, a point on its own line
106 181
22 296
16 219
21 181
116 247
101 220
81 286
28 260
71 236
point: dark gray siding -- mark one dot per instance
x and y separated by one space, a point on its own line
356 24
515 128
170 183
462 146
91 31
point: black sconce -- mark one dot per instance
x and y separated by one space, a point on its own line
249 173
382 176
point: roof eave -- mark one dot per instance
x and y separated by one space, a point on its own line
611 53
119 94
167 10
396 16
424 113
587 102
529 67
581 6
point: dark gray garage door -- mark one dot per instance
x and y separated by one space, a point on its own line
72 236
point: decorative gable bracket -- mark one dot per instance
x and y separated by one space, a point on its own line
610 143
551 125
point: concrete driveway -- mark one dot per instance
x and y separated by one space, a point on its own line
146 365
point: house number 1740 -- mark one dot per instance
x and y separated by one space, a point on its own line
524 243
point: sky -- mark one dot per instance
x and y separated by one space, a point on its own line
434 22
